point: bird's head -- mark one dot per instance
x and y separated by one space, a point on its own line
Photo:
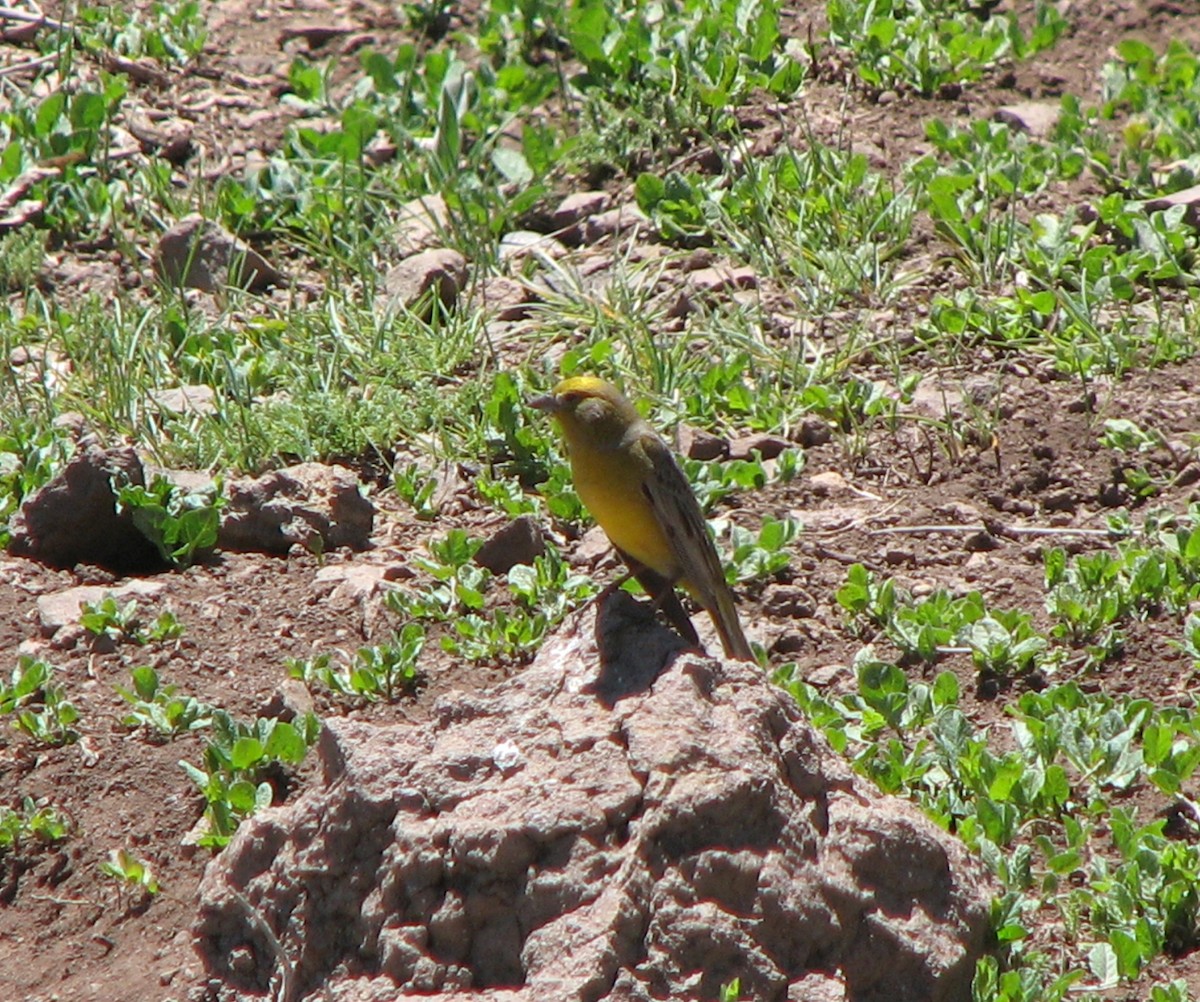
588 405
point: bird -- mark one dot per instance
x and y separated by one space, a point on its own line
627 477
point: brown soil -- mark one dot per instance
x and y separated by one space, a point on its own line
68 933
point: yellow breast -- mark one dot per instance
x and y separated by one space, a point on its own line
609 483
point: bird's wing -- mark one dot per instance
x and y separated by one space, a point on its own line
678 513
683 523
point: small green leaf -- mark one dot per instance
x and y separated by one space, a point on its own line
246 752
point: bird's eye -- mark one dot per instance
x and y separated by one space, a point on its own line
572 397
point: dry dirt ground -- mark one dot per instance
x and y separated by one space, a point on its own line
67 933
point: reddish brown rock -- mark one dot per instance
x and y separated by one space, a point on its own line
622 820
312 505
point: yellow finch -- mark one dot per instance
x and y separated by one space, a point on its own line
631 484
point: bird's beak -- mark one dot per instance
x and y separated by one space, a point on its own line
549 403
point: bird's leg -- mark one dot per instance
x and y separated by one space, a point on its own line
608 589
663 595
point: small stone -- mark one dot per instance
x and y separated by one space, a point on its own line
506 299
828 482
1038 118
62 608
1187 197
787 601
935 401
351 582
421 223
314 506
525 243
814 431
519 542
625 220
73 518
569 219
415 281
789 644
197 253
699 259
719 278
594 545
981 542
185 399
290 700
712 283
1064 500
171 140
826 675
767 446
695 443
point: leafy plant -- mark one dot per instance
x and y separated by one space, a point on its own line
30 823
236 765
182 525
761 555
157 708
169 31
929 46
385 671
39 705
130 871
1002 642
108 618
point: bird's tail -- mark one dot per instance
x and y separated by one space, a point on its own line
729 627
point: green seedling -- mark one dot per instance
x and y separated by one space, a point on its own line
108 618
761 555
169 32
924 629
158 709
928 47
866 598
1003 642
166 626
386 671
130 871
414 485
30 824
544 593
40 706
1027 984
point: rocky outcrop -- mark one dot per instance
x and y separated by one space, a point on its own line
311 505
623 820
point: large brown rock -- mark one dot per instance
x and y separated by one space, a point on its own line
623 820
73 518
